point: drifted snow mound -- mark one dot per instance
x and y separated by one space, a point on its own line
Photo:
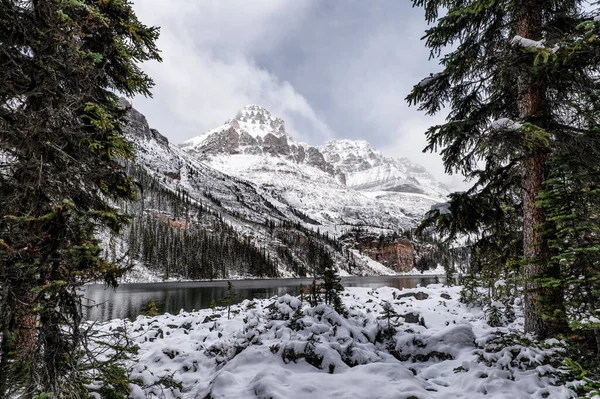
384 343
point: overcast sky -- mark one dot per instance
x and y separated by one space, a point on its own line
330 69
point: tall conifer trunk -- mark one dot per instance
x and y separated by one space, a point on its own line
539 301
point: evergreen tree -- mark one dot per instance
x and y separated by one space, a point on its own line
520 79
331 285
571 199
61 169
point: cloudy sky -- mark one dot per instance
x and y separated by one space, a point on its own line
330 69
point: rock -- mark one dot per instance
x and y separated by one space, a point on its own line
456 336
417 295
276 145
413 318
446 296
137 125
123 104
186 326
396 253
316 159
159 137
298 153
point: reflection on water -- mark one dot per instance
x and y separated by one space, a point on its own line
127 300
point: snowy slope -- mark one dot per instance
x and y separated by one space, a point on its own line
367 169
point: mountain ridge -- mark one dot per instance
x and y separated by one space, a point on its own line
256 147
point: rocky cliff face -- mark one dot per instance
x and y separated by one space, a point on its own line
398 255
392 251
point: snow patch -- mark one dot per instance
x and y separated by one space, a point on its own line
524 42
506 125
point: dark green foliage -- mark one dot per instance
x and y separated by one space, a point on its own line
314 296
62 164
229 299
391 317
590 378
303 249
331 286
309 354
571 198
552 91
470 293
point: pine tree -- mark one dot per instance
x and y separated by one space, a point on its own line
520 79
61 169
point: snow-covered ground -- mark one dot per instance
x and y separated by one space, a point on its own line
430 346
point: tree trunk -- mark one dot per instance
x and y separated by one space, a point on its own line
539 301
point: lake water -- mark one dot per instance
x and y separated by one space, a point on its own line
128 299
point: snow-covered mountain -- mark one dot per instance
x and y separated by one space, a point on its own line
343 182
246 200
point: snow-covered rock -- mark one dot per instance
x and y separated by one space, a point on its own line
286 349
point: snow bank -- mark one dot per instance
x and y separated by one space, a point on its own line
387 343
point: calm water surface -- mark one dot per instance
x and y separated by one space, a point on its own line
128 299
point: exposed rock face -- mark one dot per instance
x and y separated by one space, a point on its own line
395 252
159 137
397 255
276 145
366 169
137 125
138 130
315 158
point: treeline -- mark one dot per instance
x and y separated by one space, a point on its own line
177 236
194 252
303 249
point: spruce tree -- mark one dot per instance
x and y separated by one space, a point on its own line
520 82
571 199
61 172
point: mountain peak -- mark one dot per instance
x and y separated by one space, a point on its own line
350 145
254 109
258 121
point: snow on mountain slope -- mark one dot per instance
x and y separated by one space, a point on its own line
312 191
343 182
367 169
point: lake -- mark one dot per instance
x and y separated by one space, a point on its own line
128 299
